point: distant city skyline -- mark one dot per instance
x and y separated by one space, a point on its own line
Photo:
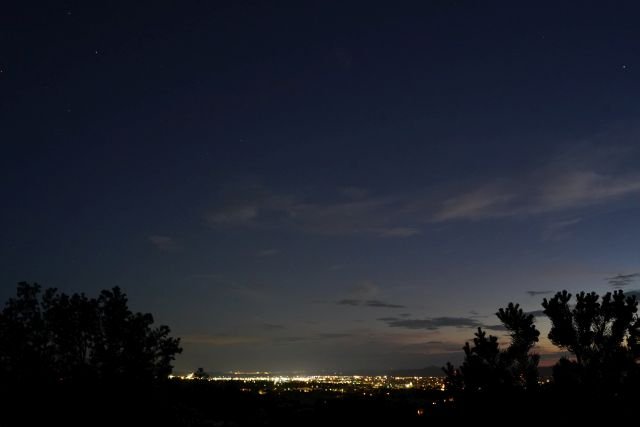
321 187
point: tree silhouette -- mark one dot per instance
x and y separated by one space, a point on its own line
23 342
482 368
522 364
53 337
488 368
604 336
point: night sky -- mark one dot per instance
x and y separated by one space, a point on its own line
320 186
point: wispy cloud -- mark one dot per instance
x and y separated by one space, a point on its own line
539 193
434 323
479 203
369 303
622 280
233 215
268 252
366 294
383 304
164 243
564 185
536 293
583 188
221 340
351 302
559 230
364 289
357 214
290 340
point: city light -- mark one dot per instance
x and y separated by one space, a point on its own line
334 383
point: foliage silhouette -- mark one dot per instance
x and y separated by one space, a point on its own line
600 381
489 369
604 336
51 337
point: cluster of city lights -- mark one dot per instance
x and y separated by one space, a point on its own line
365 381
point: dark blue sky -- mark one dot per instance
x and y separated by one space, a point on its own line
320 185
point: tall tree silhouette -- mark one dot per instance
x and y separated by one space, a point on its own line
521 363
488 368
602 333
53 337
24 344
71 326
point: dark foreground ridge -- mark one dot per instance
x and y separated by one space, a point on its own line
77 360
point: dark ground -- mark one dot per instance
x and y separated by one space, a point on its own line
202 403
